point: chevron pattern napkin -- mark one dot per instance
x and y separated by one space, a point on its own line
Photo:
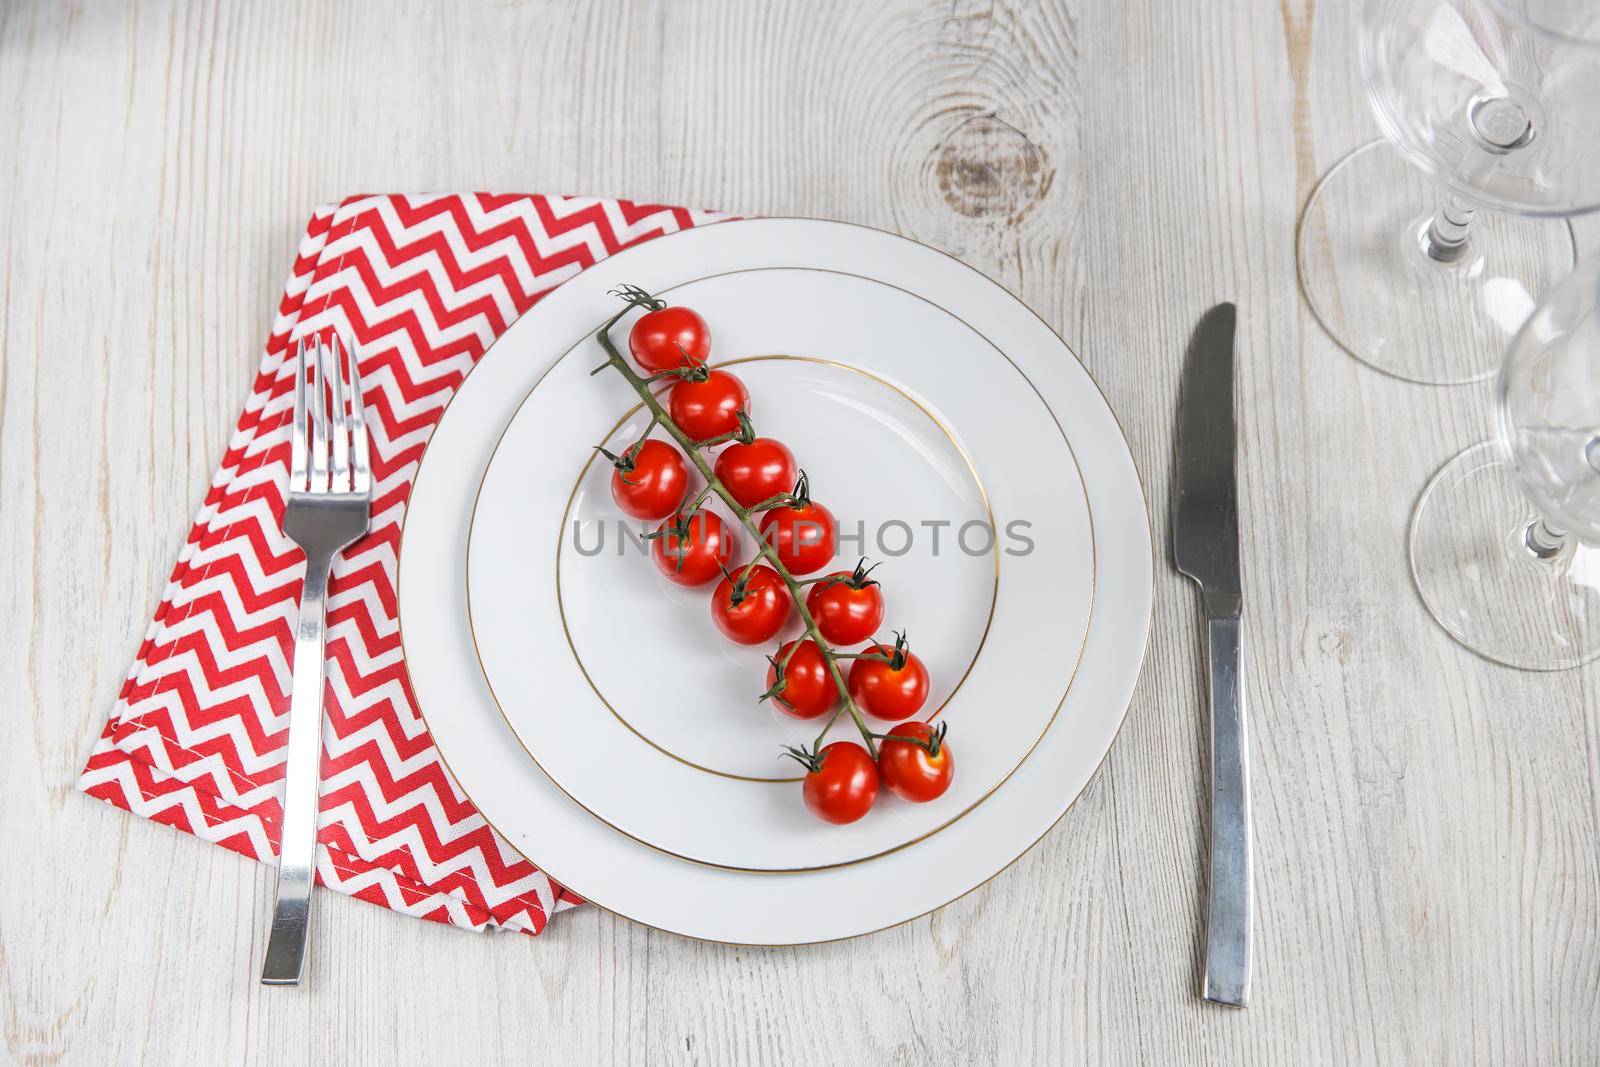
196 740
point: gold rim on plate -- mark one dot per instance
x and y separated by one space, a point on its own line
994 594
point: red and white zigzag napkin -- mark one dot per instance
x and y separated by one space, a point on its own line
423 284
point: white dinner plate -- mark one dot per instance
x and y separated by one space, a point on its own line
645 883
982 560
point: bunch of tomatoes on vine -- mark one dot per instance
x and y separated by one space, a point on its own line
815 676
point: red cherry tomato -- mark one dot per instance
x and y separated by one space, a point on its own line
693 549
801 532
661 339
841 784
649 482
751 606
847 606
757 471
910 770
709 408
801 536
891 690
808 691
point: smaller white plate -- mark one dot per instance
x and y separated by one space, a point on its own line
909 423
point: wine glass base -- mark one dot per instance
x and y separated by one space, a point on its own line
1510 601
1367 275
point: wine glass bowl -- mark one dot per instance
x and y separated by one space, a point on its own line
1505 541
1567 20
1493 106
1548 402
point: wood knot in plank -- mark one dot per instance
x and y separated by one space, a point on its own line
987 168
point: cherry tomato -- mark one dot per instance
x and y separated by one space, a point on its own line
801 532
841 784
662 338
709 408
693 549
847 606
649 482
808 691
889 690
750 605
757 471
910 770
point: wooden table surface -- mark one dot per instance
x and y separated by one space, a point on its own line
1428 855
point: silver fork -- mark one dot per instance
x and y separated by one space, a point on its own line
330 495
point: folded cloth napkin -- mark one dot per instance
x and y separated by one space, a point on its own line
197 739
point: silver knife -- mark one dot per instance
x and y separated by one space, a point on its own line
1205 545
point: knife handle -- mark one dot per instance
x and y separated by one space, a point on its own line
1229 911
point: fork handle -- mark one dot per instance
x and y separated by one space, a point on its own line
297 838
1228 917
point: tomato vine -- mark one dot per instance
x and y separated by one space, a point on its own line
635 297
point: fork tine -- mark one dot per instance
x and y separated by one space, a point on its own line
341 421
319 421
297 440
361 477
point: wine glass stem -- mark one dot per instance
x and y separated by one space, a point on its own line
1498 126
1543 540
1446 238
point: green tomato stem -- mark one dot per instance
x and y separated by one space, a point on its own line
721 439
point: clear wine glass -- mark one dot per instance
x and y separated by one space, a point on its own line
1483 104
1505 542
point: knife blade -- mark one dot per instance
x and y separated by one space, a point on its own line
1205 544
1205 514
